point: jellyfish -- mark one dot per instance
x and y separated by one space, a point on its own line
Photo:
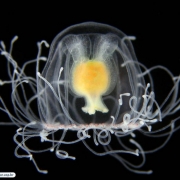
92 86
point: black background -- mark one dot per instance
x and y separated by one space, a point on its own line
156 27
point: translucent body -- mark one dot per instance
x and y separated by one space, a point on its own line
92 84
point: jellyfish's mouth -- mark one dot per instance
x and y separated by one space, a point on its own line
94 103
